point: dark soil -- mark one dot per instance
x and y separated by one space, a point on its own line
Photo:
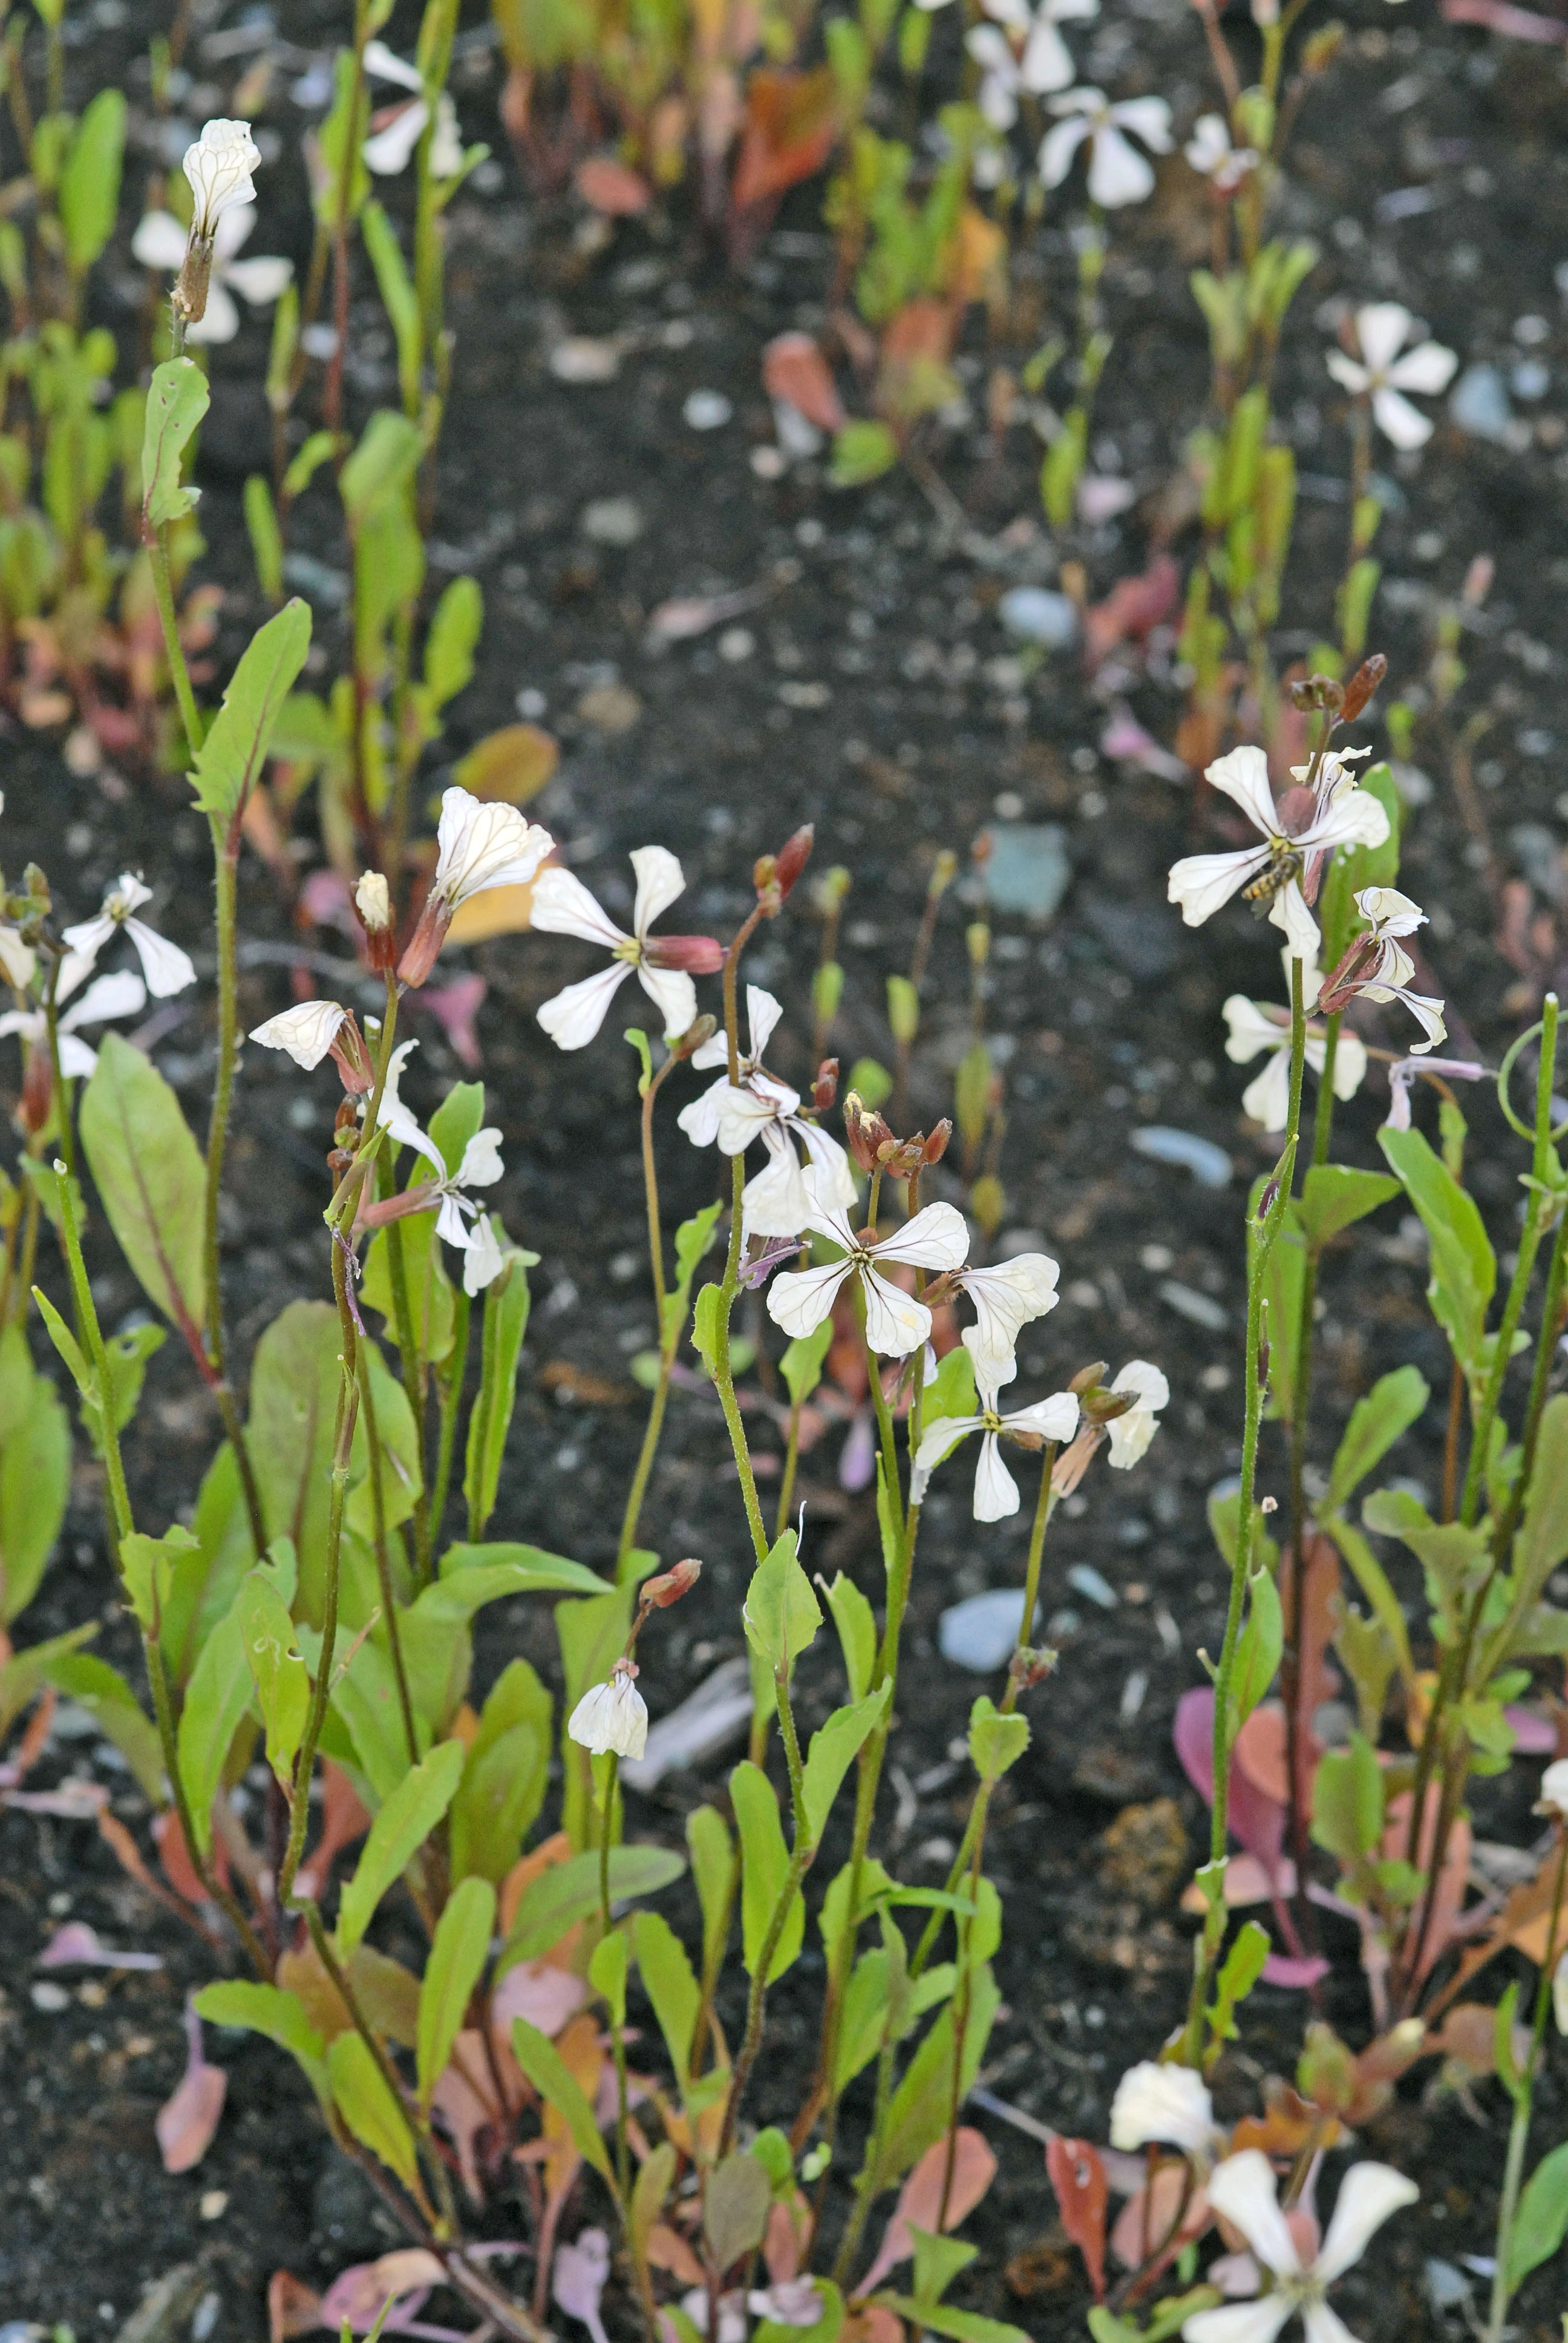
909 742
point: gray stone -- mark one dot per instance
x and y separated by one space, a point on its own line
1035 615
612 520
168 2308
982 1634
1210 1165
1478 404
1028 870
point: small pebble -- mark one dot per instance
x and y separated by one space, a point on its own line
214 2206
1478 404
736 644
1133 1692
51 1998
579 359
982 1634
769 463
1035 615
1210 1165
1198 1309
207 2310
707 410
1084 1579
612 520
1028 870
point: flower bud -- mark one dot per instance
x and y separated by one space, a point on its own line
698 955
1101 1405
703 1030
1268 1200
659 1593
976 936
793 857
935 1146
830 889
37 1093
1088 1378
373 902
1263 1365
191 287
1317 691
865 1131
825 1089
944 871
1028 1667
352 1059
1362 686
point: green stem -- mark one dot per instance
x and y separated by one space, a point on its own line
226 868
450 1377
801 1857
383 1551
1524 2098
617 2044
667 1336
414 1376
723 1379
179 673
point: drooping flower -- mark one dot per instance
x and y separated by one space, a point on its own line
775 1202
1212 154
1376 967
996 1496
1118 173
1243 2192
1167 2104
1257 1025
1026 53
665 965
1400 1076
307 1031
1007 1295
1288 858
896 1323
613 1715
123 994
166 969
461 1220
1382 330
1131 1434
395 130
218 166
478 846
160 242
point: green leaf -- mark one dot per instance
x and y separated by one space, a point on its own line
1348 1801
1261 1642
151 1178
712 1853
801 1364
454 636
707 1323
1541 2223
506 1323
457 1956
654 2181
862 451
472 1575
1353 867
89 191
962 2326
764 1872
398 298
1464 1266
996 1741
365 2100
951 1390
781 1615
1542 1541
592 1635
938 2261
607 1973
381 468
856 1625
834 1747
400 1828
266 536
428 1287
216 1699
295 1379
272 1656
1394 1403
1243 1967
281 2017
35 1473
570 1892
24 1675
316 450
229 761
505 1776
176 401
1333 1196
148 1566
736 2204
670 1985
921 2108
903 1008
119 1716
548 2071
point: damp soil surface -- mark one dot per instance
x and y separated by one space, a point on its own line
871 688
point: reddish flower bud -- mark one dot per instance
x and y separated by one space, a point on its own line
825 1089
1362 686
1267 1200
1263 1366
1028 1667
865 1133
793 856
1317 691
935 1146
37 1092
1345 978
424 946
373 902
698 955
659 1593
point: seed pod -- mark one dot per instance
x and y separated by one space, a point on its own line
659 1593
1362 686
825 1089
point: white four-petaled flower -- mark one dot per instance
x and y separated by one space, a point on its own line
1255 1025
160 242
123 994
1131 1434
562 906
996 1496
478 846
1348 816
1007 1295
896 1324
460 1222
1118 173
1168 2104
1212 154
166 969
1021 50
1243 2192
307 1031
396 132
775 1202
1383 329
1378 966
218 166
613 1715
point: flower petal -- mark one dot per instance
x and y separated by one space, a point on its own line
387 152
799 1299
1369 2194
76 1060
1239 2322
936 1238
1244 2190
481 1166
774 1203
1267 1096
562 906
1059 146
673 993
1202 883
484 1261
1346 373
896 1324
1251 1030
1047 62
572 1017
383 63
159 241
996 1497
480 846
1355 819
834 1180
167 969
1428 368
1055 1418
307 1031
1350 1066
1323 2324
218 322
700 1121
260 280
84 942
1155 2102
1118 173
940 1437
1243 778
1148 118
1381 330
762 1015
1399 421
659 880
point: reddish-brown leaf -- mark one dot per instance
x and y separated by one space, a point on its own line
919 2205
1078 2178
186 2121
292 2308
608 187
791 123
794 370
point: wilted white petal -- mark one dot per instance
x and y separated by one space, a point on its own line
1131 1434
483 845
218 166
1369 2194
1166 2103
572 1017
612 1717
307 1031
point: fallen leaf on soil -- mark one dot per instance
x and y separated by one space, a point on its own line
667 2250
1079 2179
174 1855
343 1820
548 1998
795 370
555 1849
186 2122
358 2295
1132 606
611 187
461 2108
1145 2221
578 2279
499 911
579 1387
77 1946
919 2203
509 766
454 1007
292 2308
1500 16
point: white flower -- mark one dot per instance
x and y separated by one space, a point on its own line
478 846
1267 1096
1210 153
218 166
166 969
1553 1798
1006 1297
460 1222
1170 2104
1201 883
1029 54
1242 2190
160 242
774 1203
896 1324
307 1031
562 906
613 1715
1376 967
1131 1434
387 150
1118 173
121 995
1383 329
995 1495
